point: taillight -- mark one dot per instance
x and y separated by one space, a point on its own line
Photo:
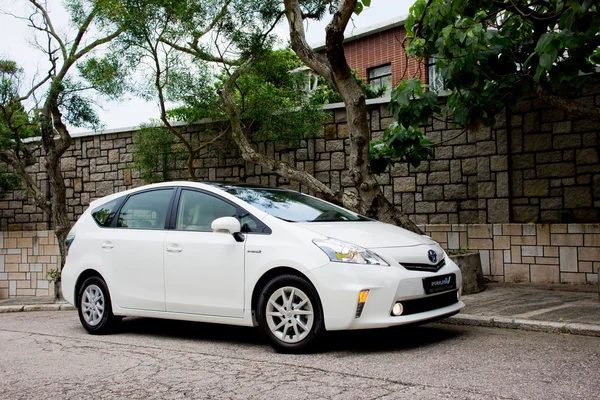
70 238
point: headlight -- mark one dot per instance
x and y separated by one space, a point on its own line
348 253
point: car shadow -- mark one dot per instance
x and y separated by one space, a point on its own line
372 340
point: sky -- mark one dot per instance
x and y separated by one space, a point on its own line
17 44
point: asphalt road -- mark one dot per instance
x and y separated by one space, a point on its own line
48 355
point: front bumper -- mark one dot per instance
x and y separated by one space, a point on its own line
339 285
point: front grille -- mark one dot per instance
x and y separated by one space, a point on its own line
424 267
429 303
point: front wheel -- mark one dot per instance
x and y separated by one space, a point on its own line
290 314
95 309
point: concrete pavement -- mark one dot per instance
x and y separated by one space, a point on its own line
560 308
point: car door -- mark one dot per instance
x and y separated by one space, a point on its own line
133 250
204 270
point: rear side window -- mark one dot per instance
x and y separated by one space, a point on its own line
147 210
104 214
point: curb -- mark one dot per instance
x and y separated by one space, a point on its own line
37 307
524 324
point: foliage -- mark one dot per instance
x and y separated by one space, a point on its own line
326 94
492 52
270 99
8 181
411 105
273 102
53 275
153 153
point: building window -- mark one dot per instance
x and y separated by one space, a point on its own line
436 81
380 76
310 79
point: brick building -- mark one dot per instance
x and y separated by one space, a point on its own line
377 54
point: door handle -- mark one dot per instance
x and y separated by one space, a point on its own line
107 245
174 249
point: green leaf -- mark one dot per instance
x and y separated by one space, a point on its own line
358 9
367 3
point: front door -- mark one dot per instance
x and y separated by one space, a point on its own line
204 270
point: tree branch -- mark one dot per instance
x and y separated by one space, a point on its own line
570 106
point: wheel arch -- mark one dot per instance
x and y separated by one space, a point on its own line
272 273
82 277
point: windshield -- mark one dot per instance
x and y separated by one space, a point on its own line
293 206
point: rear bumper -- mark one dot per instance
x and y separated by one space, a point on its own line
339 285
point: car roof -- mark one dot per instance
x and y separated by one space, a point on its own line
240 185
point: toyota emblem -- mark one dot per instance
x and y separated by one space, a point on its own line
432 256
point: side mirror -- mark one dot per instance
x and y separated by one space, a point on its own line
226 225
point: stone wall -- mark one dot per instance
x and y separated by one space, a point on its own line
536 253
25 259
534 165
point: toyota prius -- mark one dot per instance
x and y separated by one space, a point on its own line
240 254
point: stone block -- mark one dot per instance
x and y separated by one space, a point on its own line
536 187
486 148
480 244
578 197
486 190
501 242
586 156
463 151
496 262
532 251
589 254
439 177
425 207
338 160
545 274
572 277
497 210
525 213
435 192
537 142
479 231
516 273
558 170
571 239
567 141
447 206
455 192
406 184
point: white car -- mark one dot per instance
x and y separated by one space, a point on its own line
289 263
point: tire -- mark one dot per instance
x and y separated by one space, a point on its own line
95 308
290 314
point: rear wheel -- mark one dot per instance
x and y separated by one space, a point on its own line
290 314
95 309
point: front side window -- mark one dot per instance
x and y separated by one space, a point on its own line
380 77
147 210
104 214
293 206
198 210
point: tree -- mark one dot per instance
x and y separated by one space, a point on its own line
55 99
491 53
368 198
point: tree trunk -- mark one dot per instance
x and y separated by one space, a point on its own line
370 200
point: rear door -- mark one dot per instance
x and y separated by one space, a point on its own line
133 249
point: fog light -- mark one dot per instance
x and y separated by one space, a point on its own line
397 309
362 299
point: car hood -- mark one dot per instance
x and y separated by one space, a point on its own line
369 234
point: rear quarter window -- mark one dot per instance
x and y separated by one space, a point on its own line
104 214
